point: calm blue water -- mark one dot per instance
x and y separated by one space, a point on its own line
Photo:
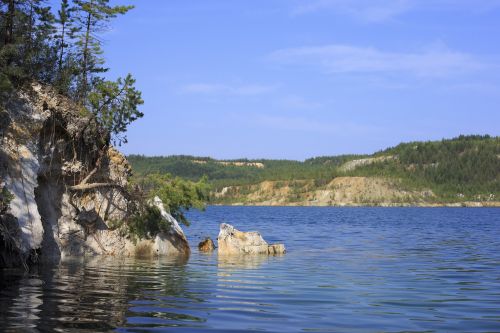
347 270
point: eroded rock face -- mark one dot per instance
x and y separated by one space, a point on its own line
231 241
206 245
47 145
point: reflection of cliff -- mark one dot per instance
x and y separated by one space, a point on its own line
97 295
67 296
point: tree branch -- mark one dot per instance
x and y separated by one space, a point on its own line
85 187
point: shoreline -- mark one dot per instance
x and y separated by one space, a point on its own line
466 204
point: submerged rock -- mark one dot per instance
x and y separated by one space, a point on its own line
206 245
277 249
232 241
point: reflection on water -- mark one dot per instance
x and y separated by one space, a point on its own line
347 270
238 262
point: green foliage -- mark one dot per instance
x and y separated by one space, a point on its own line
462 168
221 175
63 48
94 18
178 195
147 223
65 42
25 48
115 106
5 199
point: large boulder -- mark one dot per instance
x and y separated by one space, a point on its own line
232 241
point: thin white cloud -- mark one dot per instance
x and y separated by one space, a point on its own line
366 10
474 87
306 124
298 102
225 89
337 58
382 10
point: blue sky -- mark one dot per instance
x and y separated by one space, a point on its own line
301 78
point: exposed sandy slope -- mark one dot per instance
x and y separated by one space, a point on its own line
351 165
341 191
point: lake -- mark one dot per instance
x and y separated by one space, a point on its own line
346 270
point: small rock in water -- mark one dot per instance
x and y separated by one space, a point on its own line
206 245
233 241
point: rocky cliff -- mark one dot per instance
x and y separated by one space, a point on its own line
64 186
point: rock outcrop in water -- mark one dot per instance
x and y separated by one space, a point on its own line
206 245
232 241
67 184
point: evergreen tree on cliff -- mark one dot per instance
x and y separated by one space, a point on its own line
65 37
94 15
66 51
26 50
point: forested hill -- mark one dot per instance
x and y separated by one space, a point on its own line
459 169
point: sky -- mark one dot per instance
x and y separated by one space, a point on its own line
293 79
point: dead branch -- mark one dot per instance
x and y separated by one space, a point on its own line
86 187
87 178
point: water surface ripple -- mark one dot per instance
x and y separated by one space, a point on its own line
347 270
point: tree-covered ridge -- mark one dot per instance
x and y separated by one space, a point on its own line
224 175
467 165
459 168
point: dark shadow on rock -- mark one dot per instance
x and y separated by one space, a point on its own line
49 196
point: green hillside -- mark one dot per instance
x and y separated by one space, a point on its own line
469 165
322 168
465 168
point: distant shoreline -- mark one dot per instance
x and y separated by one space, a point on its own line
469 204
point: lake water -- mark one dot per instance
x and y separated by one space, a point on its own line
346 270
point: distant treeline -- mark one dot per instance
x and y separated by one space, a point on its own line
466 165
224 175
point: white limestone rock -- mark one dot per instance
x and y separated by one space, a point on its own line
231 241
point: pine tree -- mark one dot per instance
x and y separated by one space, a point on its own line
93 19
40 53
114 105
65 38
63 19
69 57
9 22
10 69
